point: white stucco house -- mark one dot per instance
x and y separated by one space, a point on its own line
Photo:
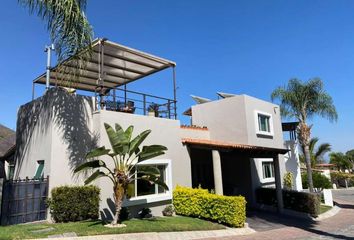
234 144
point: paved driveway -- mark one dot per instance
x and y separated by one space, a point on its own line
271 226
344 195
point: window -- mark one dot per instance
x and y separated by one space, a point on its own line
268 170
39 172
145 188
141 189
264 124
11 171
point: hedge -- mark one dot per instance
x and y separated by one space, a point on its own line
298 201
339 178
319 181
74 203
202 204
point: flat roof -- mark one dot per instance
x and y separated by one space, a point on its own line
111 65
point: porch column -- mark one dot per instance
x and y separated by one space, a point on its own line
217 172
278 186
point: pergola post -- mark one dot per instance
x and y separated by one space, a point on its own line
217 172
174 92
278 186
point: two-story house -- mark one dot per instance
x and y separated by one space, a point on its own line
235 144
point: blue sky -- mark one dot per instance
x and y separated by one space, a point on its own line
243 47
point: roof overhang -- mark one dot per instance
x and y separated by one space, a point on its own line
110 65
212 144
289 126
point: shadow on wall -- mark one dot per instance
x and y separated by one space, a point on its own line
69 112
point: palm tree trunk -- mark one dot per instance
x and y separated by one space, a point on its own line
304 136
119 193
308 167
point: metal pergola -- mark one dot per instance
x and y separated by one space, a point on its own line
110 66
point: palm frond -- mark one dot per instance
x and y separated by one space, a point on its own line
321 151
69 29
97 152
90 165
94 176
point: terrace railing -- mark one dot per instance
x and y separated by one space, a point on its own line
122 100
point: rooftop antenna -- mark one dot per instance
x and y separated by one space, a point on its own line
48 50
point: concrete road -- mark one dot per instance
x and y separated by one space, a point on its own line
344 195
273 227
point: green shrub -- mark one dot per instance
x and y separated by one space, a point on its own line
294 200
168 211
319 181
288 180
339 178
76 203
199 203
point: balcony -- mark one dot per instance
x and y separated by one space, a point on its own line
105 74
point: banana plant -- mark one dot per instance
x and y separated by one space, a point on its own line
125 154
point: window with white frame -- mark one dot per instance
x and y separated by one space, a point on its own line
264 123
268 170
144 189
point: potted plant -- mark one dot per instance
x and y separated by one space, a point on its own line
153 110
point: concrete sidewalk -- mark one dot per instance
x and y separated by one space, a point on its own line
167 235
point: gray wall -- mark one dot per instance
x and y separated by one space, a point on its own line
225 119
233 119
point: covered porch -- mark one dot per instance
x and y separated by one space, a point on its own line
229 168
105 75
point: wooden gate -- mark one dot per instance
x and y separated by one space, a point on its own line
24 201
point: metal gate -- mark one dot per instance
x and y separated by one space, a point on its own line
24 201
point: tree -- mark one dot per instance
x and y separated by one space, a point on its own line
316 155
350 156
68 26
125 155
341 160
302 101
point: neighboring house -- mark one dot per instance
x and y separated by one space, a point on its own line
292 159
7 151
237 148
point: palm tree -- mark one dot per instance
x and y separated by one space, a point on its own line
341 160
67 24
125 155
316 154
350 156
302 101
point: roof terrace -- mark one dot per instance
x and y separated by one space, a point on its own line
106 73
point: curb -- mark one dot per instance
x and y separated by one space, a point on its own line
167 235
330 213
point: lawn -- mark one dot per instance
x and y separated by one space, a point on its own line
324 208
84 228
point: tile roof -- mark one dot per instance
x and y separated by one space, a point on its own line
7 140
193 127
229 145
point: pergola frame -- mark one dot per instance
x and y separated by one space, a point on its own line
109 67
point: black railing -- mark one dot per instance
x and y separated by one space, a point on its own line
122 100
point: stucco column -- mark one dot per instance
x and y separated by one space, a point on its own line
217 172
278 186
